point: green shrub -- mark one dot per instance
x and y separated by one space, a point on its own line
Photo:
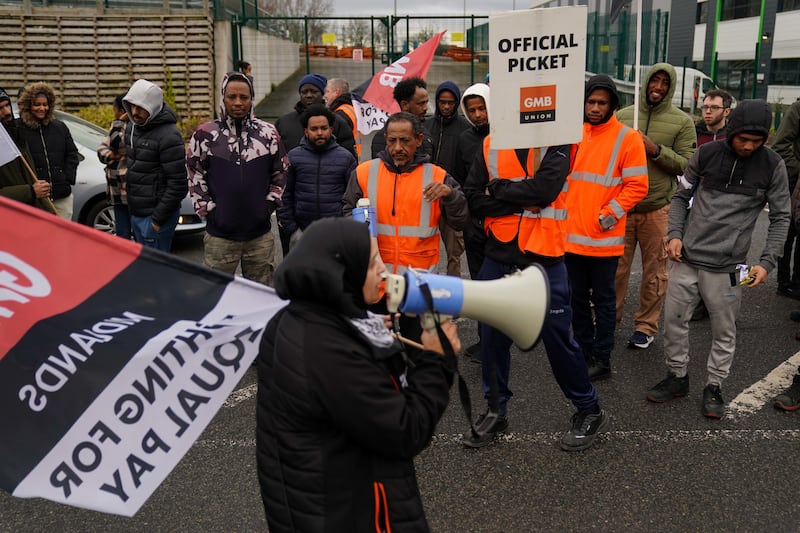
169 91
102 115
189 124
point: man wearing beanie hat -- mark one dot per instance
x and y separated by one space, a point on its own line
16 181
608 178
445 128
731 182
311 89
290 126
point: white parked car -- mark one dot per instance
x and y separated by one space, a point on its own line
91 206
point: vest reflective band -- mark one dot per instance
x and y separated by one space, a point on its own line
539 230
350 111
608 179
408 225
608 243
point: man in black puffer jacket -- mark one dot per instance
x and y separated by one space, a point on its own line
156 170
318 174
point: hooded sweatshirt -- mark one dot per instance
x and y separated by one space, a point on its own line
608 178
672 130
730 191
445 131
155 155
55 155
237 172
470 141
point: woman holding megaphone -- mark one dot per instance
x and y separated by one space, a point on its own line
341 412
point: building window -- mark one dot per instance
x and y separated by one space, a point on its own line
739 9
736 77
784 72
702 13
788 5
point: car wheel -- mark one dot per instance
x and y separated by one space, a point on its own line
101 217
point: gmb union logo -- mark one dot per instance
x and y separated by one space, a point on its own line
537 104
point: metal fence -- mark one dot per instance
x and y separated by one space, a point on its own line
355 48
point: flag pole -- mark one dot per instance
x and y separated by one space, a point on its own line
637 82
35 178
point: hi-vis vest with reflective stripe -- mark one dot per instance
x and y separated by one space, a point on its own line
599 185
540 230
408 225
350 111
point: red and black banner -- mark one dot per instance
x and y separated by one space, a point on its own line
113 359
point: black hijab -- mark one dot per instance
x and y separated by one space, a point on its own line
328 266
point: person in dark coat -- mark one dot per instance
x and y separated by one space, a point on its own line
340 415
290 127
312 88
445 128
156 171
54 152
16 181
318 174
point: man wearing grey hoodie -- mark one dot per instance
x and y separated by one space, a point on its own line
155 160
731 182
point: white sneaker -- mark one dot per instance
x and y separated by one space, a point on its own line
640 340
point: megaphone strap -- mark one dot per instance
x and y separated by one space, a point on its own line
463 390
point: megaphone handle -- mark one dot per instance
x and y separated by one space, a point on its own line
429 321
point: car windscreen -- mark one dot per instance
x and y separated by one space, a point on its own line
83 133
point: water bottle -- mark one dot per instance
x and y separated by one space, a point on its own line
363 212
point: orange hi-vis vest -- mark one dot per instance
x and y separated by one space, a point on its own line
350 111
538 230
608 179
408 225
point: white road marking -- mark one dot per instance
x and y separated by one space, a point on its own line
749 401
756 395
694 435
241 395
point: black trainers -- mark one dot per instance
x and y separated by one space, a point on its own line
794 315
789 400
668 389
585 427
599 370
713 404
488 425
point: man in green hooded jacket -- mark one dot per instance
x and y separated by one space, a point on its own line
670 140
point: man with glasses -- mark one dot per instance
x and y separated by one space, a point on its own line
716 107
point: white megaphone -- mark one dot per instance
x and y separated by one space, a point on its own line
517 304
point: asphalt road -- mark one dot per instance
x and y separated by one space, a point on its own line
659 468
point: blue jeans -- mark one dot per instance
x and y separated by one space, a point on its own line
146 235
563 353
122 222
592 282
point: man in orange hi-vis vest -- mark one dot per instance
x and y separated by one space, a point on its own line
608 178
339 100
409 195
522 203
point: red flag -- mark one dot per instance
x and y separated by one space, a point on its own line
415 63
113 359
